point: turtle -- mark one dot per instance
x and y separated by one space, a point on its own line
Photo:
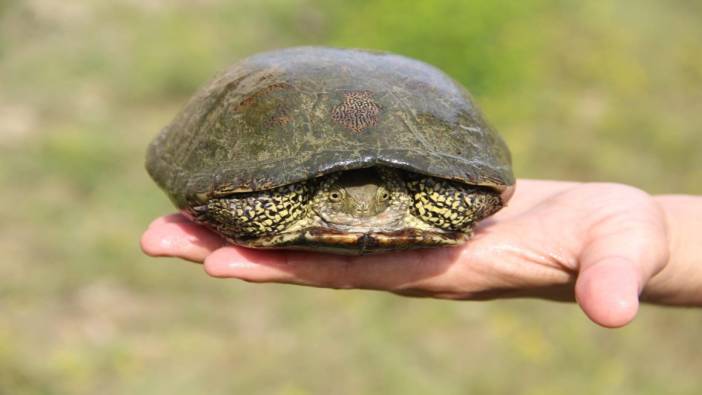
336 150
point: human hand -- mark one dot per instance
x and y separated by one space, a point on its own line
597 244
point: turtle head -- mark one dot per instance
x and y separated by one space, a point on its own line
353 196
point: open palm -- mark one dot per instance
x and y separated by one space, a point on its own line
598 244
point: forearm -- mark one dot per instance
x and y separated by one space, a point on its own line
680 282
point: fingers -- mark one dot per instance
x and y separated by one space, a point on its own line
176 236
247 264
422 271
403 271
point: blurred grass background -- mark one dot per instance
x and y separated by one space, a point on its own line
586 90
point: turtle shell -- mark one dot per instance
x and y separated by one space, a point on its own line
284 116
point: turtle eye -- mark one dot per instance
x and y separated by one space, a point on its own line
335 196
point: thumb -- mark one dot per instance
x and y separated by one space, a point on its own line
608 291
623 253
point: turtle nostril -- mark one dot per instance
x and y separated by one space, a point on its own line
363 208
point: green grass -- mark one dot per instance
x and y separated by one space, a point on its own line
580 90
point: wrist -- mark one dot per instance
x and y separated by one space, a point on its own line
680 281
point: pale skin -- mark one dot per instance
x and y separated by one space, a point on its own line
605 246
